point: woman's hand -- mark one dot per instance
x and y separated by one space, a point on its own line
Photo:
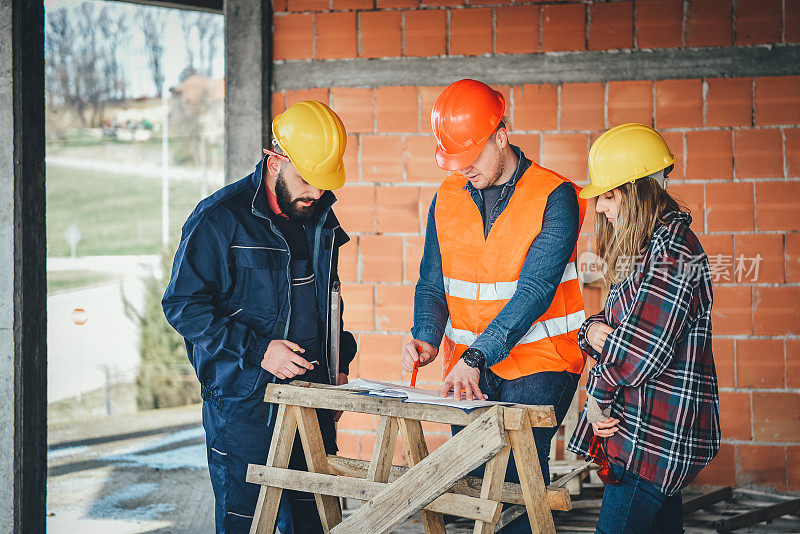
596 335
607 428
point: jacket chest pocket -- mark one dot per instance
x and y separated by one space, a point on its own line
260 278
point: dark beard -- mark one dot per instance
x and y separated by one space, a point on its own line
290 207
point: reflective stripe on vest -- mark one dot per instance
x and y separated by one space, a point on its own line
481 274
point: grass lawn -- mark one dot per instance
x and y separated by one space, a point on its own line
115 214
63 280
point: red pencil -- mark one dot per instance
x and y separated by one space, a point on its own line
414 374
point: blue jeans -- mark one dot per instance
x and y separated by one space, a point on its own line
555 388
638 506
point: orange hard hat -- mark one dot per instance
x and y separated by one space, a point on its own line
463 118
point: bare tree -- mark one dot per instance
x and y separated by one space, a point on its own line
209 34
152 21
187 20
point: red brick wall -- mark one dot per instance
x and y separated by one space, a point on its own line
738 170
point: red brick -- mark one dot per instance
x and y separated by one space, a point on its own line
396 109
630 102
352 4
443 3
792 257
395 307
381 34
729 206
776 416
530 144
420 163
679 103
381 258
724 363
380 356
387 4
732 312
776 205
412 255
355 208
350 160
347 442
398 209
778 100
382 158
759 153
758 21
759 363
708 23
535 107
426 195
359 306
318 94
709 155
729 102
691 196
278 103
471 31
426 33
776 310
358 421
763 465
717 244
792 363
793 463
722 469
354 107
566 154
675 143
563 27
427 98
517 29
734 415
279 5
611 25
294 36
792 147
582 106
348 260
792 22
336 35
659 23
769 268
308 5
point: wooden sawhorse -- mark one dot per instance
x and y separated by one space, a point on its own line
434 483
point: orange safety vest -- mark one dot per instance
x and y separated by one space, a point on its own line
481 274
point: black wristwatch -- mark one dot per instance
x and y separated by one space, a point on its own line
474 358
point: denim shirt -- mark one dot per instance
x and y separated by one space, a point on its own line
540 275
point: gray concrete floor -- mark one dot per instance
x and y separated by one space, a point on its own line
147 472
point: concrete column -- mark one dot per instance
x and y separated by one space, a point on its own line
23 286
248 80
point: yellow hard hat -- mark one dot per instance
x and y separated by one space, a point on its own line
624 154
313 137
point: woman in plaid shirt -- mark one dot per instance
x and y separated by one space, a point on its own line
653 406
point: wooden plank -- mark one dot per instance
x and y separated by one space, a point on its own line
531 481
570 423
309 395
417 450
757 516
562 482
280 450
330 513
383 451
358 488
557 498
474 445
706 500
493 477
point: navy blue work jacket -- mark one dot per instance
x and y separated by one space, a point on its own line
228 293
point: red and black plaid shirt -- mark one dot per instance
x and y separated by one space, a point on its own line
656 369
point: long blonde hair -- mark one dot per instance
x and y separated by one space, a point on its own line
643 206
